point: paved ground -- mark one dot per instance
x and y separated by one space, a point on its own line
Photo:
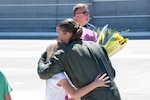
18 60
53 35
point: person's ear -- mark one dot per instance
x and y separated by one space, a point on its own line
68 34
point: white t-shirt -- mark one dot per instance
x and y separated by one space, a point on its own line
53 91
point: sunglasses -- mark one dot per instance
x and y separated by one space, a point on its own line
84 13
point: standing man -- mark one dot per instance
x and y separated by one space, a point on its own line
81 16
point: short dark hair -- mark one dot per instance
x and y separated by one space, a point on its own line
78 6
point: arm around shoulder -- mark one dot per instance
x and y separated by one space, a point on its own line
47 69
42 66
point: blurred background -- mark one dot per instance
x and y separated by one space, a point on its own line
37 19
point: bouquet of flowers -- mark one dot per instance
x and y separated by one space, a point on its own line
112 40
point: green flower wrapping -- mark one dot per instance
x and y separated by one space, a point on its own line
112 40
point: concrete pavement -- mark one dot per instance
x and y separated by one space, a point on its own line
133 70
53 35
18 60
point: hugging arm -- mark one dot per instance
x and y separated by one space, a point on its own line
47 70
42 66
100 81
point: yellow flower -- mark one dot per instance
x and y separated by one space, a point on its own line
112 40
